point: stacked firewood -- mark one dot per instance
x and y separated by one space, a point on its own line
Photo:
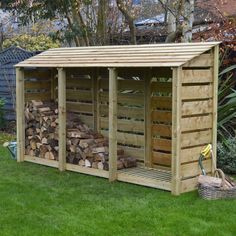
84 146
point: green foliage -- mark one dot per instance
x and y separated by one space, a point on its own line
226 103
2 119
31 43
226 155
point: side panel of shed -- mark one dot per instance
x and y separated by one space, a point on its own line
8 89
197 99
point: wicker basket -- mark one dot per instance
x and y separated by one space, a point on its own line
211 193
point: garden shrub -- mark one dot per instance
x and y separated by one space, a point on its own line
226 158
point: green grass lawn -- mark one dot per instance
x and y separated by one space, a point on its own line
38 200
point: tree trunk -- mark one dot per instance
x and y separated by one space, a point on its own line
102 22
129 18
188 20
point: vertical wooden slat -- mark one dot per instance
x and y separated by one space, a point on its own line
112 124
95 99
20 117
215 105
53 85
62 117
148 130
176 130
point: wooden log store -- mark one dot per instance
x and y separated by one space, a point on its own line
157 102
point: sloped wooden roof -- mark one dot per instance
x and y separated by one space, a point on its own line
151 55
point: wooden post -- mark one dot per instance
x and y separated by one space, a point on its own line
62 117
215 105
148 123
20 115
176 130
112 124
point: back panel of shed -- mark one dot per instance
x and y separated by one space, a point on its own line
165 114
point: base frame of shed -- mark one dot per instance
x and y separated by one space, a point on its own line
188 108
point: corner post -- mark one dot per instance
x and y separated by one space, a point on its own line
62 117
215 105
148 123
112 124
20 116
176 131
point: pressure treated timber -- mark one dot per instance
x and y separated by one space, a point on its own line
62 117
148 121
112 124
215 106
193 169
20 120
197 76
176 130
41 161
161 102
87 171
182 109
191 154
146 177
196 138
124 125
196 123
44 84
196 92
153 55
127 138
196 107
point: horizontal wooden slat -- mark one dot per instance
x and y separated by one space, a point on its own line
134 152
161 102
165 87
196 138
196 92
163 116
125 98
204 60
193 169
126 138
190 154
40 74
196 123
79 107
88 171
41 161
79 83
124 125
161 130
160 158
196 107
81 95
88 120
197 76
44 96
161 144
39 84
123 111
188 185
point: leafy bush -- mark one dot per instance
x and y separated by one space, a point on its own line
31 43
2 119
226 155
226 103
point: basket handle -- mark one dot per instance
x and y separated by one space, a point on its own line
220 174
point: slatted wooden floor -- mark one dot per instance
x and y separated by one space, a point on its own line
154 178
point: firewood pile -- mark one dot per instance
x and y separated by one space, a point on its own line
84 146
